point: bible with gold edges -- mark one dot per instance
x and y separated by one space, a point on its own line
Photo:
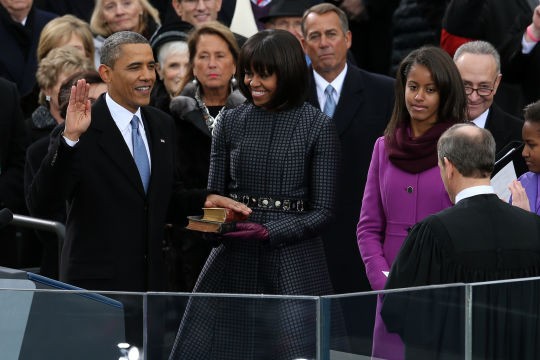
215 220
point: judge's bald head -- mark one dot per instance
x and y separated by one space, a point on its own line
470 149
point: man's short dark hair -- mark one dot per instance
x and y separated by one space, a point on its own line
111 49
472 154
276 52
325 8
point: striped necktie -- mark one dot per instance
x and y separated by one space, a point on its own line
330 103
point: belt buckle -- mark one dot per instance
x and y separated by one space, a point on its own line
265 202
286 205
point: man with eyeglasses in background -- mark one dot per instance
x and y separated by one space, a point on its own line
479 64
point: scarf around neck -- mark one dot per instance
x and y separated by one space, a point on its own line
415 155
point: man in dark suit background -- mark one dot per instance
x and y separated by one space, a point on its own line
360 104
479 65
480 238
20 26
13 142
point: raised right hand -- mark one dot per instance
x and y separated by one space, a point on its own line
78 111
519 196
535 24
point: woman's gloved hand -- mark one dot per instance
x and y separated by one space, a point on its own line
247 231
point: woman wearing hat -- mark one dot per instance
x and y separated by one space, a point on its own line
171 52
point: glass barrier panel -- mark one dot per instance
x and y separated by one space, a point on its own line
424 323
228 326
416 323
68 324
506 319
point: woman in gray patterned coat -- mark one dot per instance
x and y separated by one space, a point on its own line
280 156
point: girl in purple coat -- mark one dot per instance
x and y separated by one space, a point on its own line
526 190
403 183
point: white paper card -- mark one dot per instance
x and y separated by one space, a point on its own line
502 180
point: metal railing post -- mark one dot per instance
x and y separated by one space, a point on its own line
41 224
468 321
323 328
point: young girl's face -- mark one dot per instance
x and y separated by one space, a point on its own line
421 97
531 150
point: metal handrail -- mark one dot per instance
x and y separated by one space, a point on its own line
41 224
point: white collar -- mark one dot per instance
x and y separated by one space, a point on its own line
473 191
337 83
480 121
121 116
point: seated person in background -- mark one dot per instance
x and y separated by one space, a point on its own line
61 31
526 190
481 238
172 55
112 16
66 30
53 70
196 13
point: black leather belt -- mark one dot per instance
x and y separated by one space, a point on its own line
271 202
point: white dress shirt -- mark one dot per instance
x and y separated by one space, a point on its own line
473 191
321 84
480 121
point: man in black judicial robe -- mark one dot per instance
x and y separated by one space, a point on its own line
480 239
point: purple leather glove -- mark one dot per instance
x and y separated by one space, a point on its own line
247 231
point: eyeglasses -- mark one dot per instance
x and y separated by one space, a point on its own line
481 91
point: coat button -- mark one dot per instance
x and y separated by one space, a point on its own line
410 189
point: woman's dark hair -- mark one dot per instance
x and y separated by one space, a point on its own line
452 98
276 52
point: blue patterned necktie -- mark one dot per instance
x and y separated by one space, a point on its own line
330 104
139 153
